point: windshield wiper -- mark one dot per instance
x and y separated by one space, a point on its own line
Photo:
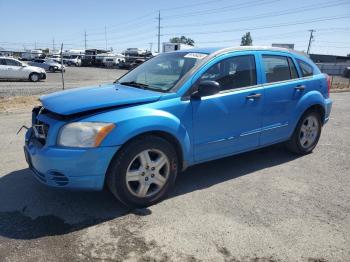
135 84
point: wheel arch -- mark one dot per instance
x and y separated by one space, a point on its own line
166 136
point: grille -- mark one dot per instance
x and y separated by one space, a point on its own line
58 178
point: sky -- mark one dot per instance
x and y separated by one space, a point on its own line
133 23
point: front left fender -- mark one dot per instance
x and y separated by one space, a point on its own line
132 122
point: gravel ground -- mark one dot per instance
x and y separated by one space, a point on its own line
73 77
266 205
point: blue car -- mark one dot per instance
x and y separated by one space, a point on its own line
176 110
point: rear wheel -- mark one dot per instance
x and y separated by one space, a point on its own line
143 172
306 134
34 77
51 69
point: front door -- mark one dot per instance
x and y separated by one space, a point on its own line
230 121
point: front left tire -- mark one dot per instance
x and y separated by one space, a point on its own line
143 172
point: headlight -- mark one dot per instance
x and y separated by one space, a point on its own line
84 134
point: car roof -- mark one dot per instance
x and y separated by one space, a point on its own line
219 50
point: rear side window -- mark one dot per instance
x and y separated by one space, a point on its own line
306 69
292 68
278 68
234 72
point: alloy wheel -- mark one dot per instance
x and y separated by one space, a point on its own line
147 173
308 131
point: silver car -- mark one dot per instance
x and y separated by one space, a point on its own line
47 64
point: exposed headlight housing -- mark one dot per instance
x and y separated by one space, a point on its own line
84 134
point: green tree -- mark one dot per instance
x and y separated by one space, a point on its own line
246 39
182 40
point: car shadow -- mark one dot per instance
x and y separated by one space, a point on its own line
30 210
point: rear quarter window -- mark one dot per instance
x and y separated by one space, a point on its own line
305 68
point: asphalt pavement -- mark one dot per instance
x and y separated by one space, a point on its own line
266 205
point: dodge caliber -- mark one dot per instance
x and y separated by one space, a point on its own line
176 110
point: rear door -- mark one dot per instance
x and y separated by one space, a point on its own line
3 69
283 90
230 121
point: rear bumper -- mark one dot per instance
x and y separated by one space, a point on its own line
81 169
328 109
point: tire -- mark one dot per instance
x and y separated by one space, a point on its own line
51 69
34 77
138 181
306 134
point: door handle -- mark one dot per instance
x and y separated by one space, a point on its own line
300 88
253 97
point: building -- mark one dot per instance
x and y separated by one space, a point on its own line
289 46
329 58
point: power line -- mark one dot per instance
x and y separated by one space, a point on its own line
191 5
223 9
306 8
262 27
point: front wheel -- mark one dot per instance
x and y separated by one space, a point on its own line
51 69
306 134
143 172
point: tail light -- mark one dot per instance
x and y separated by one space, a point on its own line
328 83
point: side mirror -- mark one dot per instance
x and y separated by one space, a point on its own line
206 88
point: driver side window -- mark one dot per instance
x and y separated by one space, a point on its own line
234 72
11 62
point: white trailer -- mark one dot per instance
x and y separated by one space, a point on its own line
169 47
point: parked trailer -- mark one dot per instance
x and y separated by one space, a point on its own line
169 47
89 58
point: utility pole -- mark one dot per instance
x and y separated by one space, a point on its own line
159 31
61 55
53 45
150 46
85 39
310 40
106 36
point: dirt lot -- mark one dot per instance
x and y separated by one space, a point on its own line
267 205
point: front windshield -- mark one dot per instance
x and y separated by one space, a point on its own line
162 72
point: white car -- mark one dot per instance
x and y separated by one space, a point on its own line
11 68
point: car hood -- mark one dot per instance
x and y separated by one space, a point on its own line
84 99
